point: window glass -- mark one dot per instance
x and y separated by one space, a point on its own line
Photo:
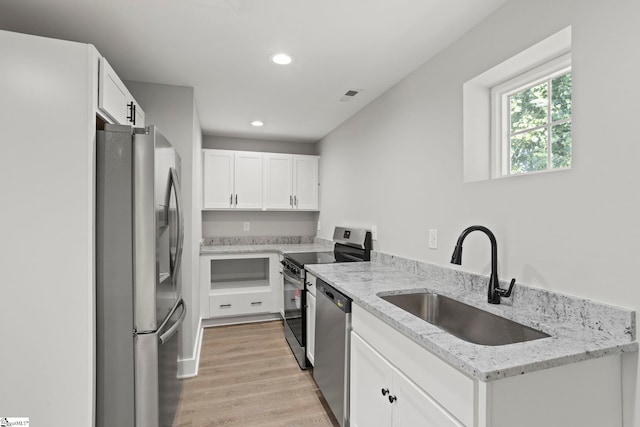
538 120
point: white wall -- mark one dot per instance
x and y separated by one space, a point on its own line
225 224
47 139
573 232
260 145
173 110
231 224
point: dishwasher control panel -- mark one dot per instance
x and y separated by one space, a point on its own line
342 301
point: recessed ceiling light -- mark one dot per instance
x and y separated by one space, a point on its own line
281 58
257 123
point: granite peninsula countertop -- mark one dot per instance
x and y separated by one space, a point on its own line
574 338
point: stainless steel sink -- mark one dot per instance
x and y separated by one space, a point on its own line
464 321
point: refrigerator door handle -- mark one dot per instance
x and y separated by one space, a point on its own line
166 336
175 183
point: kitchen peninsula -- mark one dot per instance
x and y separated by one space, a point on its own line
575 374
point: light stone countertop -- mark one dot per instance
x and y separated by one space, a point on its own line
273 247
579 329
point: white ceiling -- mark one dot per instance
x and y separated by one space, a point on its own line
221 47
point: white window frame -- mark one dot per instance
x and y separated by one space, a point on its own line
500 114
478 153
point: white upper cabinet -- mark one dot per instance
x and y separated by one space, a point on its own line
267 181
232 179
218 171
115 102
291 181
305 182
248 180
278 181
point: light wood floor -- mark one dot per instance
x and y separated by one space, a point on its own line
248 377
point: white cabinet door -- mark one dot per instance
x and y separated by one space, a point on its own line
371 379
113 95
218 171
114 99
278 181
412 407
382 396
305 182
311 326
248 180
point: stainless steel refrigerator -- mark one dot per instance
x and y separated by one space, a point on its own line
139 306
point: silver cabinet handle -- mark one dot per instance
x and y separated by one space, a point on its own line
231 200
295 201
291 201
255 303
225 305
236 200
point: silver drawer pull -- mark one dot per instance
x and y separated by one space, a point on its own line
225 305
256 303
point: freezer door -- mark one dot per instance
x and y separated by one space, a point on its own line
170 386
157 390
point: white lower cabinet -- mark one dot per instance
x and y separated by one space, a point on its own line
310 281
311 326
382 396
237 304
426 391
239 285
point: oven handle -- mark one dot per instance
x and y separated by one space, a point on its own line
293 279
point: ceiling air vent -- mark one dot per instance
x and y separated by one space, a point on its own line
350 94
224 4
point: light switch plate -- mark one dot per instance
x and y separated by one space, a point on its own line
247 226
433 238
374 233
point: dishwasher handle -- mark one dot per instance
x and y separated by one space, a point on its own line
334 296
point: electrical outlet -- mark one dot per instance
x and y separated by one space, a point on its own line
319 226
374 233
433 238
247 226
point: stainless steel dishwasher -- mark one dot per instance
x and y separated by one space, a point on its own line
331 368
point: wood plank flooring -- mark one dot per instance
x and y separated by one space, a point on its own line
248 377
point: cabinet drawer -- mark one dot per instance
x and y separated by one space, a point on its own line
239 304
311 283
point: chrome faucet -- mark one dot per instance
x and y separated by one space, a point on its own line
495 291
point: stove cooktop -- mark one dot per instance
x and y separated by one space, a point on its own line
302 258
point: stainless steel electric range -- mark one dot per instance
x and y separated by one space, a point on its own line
350 245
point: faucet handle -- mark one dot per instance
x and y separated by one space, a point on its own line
506 292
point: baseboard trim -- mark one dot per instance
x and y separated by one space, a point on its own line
235 320
188 368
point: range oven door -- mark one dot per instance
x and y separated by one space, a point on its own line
294 306
295 317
